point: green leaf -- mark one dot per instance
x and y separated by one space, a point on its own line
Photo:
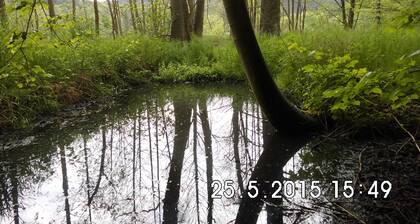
19 85
355 103
339 106
376 90
333 93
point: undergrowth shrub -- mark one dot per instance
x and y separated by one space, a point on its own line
320 70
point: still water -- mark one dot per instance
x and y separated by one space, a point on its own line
186 154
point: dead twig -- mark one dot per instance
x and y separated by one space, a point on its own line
406 131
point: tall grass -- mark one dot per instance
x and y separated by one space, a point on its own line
85 68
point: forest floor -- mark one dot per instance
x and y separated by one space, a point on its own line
356 77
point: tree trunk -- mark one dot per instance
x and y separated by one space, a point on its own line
378 12
270 16
73 9
118 16
182 113
51 9
115 16
101 168
350 19
199 18
143 14
303 16
204 118
136 14
298 12
134 165
195 136
111 13
3 14
157 156
278 149
278 110
343 13
95 8
65 183
235 140
15 193
132 13
178 17
292 15
151 158
190 13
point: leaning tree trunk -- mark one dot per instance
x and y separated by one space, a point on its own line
270 16
278 110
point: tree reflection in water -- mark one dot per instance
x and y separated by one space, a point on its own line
152 158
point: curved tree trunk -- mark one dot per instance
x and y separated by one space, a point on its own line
278 110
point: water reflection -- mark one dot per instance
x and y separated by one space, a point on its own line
152 159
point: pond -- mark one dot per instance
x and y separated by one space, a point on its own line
195 154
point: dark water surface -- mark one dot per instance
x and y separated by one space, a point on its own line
152 158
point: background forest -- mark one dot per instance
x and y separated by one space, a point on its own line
354 60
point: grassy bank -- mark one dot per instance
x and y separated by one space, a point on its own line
355 76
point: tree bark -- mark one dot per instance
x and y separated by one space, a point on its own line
350 19
270 16
378 12
343 13
51 8
143 14
118 16
275 106
73 9
199 18
136 14
178 20
132 13
111 13
96 11
3 14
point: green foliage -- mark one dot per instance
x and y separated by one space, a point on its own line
339 86
321 71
